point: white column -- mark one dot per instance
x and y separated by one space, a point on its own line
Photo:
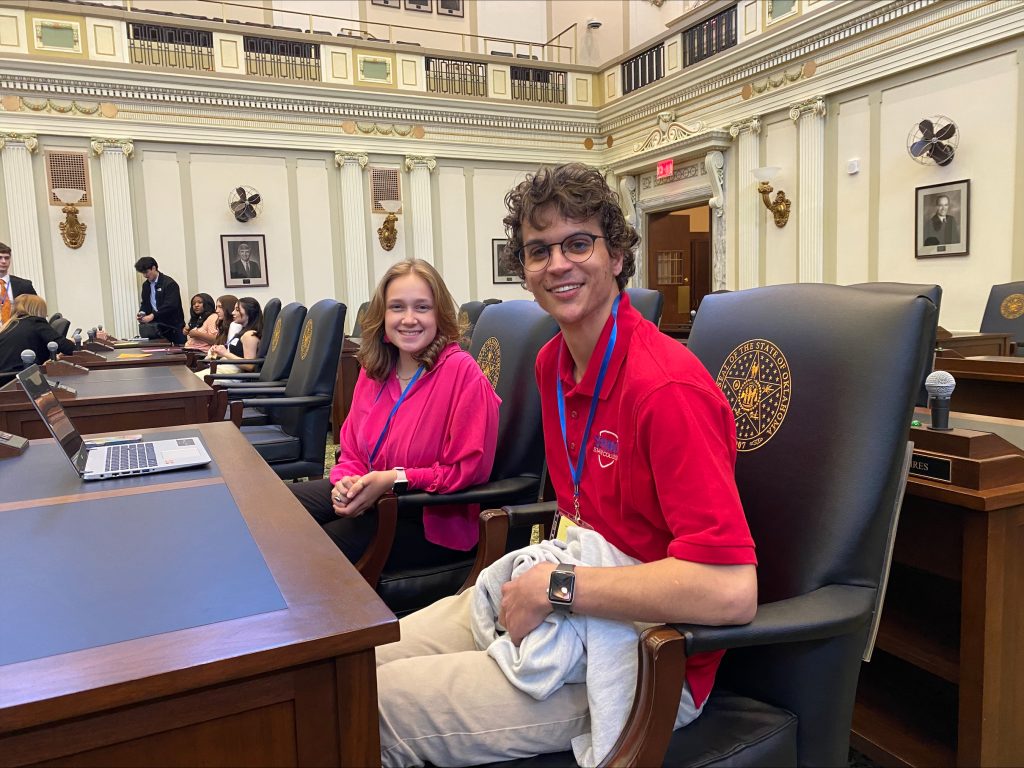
21 207
749 213
810 211
714 162
353 215
117 216
419 169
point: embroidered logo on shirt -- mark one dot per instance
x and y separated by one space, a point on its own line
1012 306
489 360
606 446
756 380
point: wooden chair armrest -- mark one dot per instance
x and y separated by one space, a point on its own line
371 564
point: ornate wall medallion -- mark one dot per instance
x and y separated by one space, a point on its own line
757 382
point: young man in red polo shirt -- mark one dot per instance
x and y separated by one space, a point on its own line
641 447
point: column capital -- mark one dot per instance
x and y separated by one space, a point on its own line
30 140
99 146
815 106
414 161
753 125
341 158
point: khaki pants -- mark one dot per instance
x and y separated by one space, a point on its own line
444 702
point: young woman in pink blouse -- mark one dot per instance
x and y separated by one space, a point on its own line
423 418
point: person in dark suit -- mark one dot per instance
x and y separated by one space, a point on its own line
11 286
243 265
161 301
941 225
28 329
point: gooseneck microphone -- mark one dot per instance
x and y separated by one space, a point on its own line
78 339
28 357
52 346
940 385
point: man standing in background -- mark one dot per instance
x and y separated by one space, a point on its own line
10 286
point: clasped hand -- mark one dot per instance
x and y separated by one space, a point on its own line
353 495
524 602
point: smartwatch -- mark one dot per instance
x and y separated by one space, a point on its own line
562 588
401 484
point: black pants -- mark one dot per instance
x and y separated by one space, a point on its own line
352 534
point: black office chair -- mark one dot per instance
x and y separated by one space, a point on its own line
61 325
55 316
284 340
357 324
294 439
934 294
820 473
507 339
647 302
1004 312
469 314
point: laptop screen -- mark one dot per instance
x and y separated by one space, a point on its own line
52 413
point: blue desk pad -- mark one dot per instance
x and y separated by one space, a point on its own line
100 571
43 471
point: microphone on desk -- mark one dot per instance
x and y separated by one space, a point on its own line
52 346
940 385
28 357
77 337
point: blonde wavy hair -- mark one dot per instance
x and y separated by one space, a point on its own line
26 305
379 358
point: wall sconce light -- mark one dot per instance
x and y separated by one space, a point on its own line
780 207
388 232
71 229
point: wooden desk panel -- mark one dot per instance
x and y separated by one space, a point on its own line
987 385
296 686
117 400
972 344
156 356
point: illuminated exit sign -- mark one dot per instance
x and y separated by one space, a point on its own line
665 168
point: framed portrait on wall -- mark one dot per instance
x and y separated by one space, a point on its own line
450 8
942 218
387 3
501 274
424 6
244 259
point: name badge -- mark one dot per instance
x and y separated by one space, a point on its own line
562 523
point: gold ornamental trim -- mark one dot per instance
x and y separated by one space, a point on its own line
489 360
275 340
1012 306
307 339
757 381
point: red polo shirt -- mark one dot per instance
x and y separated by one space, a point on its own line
658 480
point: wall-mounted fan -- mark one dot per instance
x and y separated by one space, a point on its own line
933 141
245 203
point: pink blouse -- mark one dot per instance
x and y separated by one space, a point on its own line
444 434
209 326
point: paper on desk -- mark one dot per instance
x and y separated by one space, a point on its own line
133 355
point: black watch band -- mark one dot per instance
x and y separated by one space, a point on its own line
562 587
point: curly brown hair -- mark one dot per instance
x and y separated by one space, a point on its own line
577 193
379 358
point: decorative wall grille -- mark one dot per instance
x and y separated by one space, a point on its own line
174 47
643 69
711 36
384 185
67 170
462 78
288 59
546 86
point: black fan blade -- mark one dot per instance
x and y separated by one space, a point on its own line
941 153
918 148
926 128
254 199
946 132
240 191
237 206
250 212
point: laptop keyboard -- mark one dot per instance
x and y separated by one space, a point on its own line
121 458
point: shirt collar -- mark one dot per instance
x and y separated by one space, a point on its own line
628 320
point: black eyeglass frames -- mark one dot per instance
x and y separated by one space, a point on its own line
577 247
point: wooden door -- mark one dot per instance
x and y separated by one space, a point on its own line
669 265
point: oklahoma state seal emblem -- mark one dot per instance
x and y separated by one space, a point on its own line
489 360
1012 306
756 380
307 340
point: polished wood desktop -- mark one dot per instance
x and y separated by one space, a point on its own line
987 385
119 399
946 684
286 687
128 358
972 344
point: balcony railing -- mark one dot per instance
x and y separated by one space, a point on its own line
711 36
643 69
271 57
174 47
544 86
455 77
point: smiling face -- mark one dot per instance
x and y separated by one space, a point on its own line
409 317
942 206
239 315
243 251
220 311
577 295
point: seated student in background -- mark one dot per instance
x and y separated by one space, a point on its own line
423 418
28 329
641 449
201 328
248 314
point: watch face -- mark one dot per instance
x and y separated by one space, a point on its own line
560 587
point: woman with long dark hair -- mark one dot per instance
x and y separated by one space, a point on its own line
249 315
201 328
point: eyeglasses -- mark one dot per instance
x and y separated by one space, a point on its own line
577 248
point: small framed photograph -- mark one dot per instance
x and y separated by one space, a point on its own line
501 274
423 6
450 7
245 261
387 3
943 219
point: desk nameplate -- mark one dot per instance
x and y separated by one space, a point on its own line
931 467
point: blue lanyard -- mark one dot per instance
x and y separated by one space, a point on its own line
577 470
401 399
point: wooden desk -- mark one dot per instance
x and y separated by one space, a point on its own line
121 399
156 356
991 386
946 684
972 344
285 687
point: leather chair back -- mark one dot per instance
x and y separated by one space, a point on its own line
55 316
647 302
270 312
357 325
283 338
822 380
61 325
505 344
1004 312
934 294
314 370
469 314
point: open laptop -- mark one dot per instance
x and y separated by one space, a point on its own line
115 457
